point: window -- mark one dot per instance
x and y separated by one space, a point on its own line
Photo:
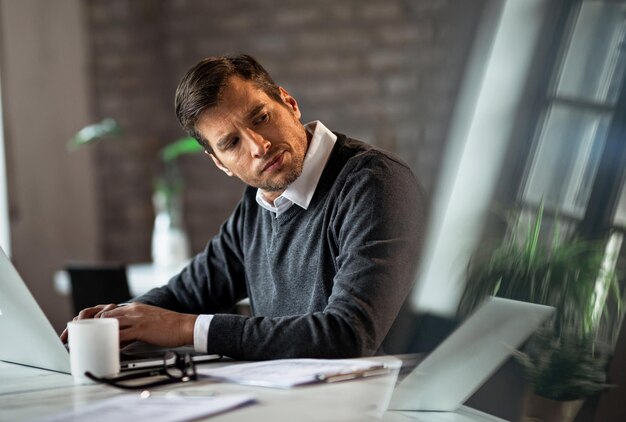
580 111
577 166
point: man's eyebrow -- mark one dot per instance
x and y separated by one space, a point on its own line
251 114
256 110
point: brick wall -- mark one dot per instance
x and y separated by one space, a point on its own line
384 71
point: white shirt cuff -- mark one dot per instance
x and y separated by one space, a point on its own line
201 333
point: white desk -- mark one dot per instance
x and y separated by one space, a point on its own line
28 393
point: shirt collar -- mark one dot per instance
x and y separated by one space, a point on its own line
301 191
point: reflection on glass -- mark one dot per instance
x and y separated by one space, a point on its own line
620 213
566 160
596 58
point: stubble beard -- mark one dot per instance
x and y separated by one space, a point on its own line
292 175
281 185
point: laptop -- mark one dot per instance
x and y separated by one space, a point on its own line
29 339
469 356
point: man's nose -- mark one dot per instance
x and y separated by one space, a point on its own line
259 146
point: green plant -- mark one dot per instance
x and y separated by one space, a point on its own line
567 273
169 183
170 245
180 147
107 128
564 367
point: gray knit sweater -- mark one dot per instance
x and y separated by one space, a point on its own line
326 282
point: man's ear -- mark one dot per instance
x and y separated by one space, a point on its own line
219 164
290 101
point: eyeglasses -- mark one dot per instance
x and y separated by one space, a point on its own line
176 368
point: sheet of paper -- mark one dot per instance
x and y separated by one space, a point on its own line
133 408
286 373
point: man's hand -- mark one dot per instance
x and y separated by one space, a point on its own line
87 313
147 323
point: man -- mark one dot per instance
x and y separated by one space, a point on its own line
324 240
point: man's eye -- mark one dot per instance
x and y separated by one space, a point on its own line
232 143
262 118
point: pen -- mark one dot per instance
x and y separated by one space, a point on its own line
178 394
344 376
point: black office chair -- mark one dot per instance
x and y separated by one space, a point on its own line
97 284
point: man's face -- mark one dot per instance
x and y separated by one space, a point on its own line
255 138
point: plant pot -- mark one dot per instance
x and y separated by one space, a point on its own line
540 409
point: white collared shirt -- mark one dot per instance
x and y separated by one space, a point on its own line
300 193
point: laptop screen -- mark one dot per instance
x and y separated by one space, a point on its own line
28 336
469 356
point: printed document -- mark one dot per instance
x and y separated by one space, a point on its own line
133 408
286 373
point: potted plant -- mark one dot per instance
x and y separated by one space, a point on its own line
565 361
170 245
562 370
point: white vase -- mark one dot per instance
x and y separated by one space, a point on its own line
170 244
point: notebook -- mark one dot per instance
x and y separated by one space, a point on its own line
27 337
469 356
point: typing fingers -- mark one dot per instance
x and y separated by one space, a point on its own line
105 308
89 312
117 311
84 314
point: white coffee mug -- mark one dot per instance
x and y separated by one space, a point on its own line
94 347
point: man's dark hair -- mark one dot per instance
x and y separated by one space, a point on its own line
202 86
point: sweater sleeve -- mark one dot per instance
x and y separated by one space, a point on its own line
214 280
376 225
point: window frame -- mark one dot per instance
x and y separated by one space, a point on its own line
597 220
